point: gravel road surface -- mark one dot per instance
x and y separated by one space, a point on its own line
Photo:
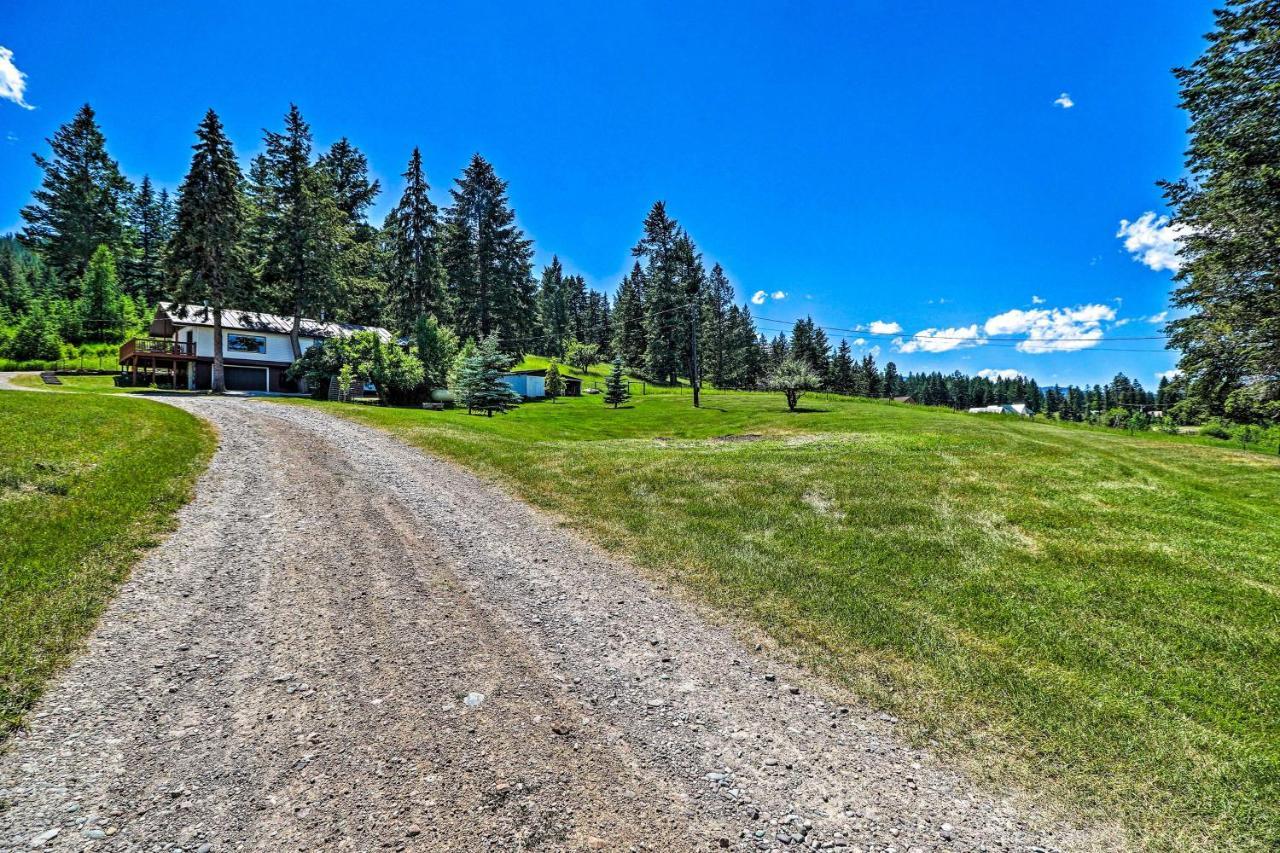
350 645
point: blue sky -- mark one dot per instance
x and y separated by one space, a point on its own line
911 164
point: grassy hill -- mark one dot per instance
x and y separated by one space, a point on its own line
85 483
1073 608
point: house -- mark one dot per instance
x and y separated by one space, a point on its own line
907 399
1002 409
256 350
531 384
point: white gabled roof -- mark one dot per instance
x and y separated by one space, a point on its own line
255 321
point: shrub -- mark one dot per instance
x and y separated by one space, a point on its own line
1216 429
792 377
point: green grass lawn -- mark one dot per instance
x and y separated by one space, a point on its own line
79 384
1071 608
86 482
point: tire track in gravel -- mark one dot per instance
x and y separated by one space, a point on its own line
291 671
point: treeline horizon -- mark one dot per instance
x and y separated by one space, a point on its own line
98 252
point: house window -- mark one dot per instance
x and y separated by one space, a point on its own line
247 343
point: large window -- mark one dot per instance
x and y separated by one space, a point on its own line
246 343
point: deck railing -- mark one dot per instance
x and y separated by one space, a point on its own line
157 346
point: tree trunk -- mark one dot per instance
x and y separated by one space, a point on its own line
295 342
217 381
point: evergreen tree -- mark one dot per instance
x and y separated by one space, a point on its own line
82 200
488 261
480 384
1227 211
665 307
616 389
716 335
414 272
553 309
361 290
299 225
36 337
151 222
101 302
554 383
629 338
870 376
892 386
842 367
206 258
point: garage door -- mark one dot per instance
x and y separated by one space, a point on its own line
246 378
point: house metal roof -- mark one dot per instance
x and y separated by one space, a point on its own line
170 314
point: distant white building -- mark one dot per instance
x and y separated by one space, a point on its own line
1003 409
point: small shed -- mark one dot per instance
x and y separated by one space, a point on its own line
907 399
530 385
572 384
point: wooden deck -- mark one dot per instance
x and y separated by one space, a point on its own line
166 349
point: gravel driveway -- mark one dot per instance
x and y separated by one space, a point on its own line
350 645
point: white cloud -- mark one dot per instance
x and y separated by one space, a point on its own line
1053 329
1153 241
759 297
1158 318
859 342
1037 300
779 294
13 83
880 327
1064 101
1007 373
874 352
941 340
1168 374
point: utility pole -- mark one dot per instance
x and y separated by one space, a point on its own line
695 380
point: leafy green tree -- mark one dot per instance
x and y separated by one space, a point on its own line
1227 211
206 260
488 261
793 377
480 385
101 302
616 388
82 200
411 235
554 384
35 338
582 356
437 346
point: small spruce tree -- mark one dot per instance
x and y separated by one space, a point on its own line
555 382
616 389
479 381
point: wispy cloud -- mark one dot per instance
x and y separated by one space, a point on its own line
1053 329
880 327
1152 241
1168 374
1157 319
760 297
941 340
13 83
859 342
1037 300
1007 373
1064 101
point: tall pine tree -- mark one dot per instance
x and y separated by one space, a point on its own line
488 261
411 235
206 258
82 200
